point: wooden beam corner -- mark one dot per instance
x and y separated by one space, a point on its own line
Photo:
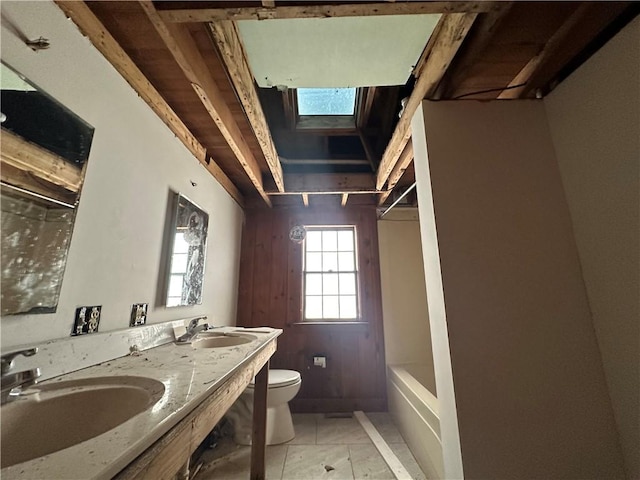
442 48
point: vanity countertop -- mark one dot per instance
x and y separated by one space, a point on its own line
189 375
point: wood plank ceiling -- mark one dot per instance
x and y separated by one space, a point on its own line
186 60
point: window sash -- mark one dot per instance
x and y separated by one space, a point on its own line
324 301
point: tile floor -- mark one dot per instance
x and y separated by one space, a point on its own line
324 448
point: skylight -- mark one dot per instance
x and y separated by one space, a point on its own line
326 101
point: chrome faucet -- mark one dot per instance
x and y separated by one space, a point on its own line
192 330
12 383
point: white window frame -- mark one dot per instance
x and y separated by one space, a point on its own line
176 300
306 272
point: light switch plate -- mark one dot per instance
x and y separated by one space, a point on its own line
87 320
138 314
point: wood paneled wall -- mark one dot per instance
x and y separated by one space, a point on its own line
270 293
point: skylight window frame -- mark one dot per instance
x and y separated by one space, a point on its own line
321 123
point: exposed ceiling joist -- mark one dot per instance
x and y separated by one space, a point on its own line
548 39
179 42
41 163
332 191
484 28
324 11
327 183
403 162
90 26
22 179
581 32
443 45
523 77
371 156
226 38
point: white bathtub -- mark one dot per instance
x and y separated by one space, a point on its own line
415 411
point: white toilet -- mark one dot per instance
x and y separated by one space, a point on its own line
283 386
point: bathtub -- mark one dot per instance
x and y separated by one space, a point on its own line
415 411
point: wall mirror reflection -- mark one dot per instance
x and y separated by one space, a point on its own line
188 242
44 150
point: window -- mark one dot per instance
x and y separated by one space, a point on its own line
330 274
326 101
179 258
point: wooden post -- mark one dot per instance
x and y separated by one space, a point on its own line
258 439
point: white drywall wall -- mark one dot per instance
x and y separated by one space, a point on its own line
530 392
407 337
115 252
594 117
449 428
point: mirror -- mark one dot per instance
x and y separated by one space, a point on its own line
44 150
187 249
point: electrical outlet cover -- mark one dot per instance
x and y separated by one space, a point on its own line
87 320
138 314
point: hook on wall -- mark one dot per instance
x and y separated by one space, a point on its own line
38 44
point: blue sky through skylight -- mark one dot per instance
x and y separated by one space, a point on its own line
326 101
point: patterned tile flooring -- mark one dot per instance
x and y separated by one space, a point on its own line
324 448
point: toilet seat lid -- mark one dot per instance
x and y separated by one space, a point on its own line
281 378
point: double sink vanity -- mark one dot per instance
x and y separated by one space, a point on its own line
138 416
131 403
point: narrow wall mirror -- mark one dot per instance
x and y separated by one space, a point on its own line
44 150
186 258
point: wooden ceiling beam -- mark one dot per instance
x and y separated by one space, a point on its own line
484 28
225 36
336 191
362 9
327 183
25 180
181 45
517 86
29 157
593 22
383 196
403 163
371 157
100 37
442 47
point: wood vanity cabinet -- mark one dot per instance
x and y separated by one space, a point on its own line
168 458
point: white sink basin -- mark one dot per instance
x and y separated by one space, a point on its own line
52 417
220 340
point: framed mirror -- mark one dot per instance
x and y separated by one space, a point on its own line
186 254
44 150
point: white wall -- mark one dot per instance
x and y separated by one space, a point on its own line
442 361
530 392
114 258
407 337
594 118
